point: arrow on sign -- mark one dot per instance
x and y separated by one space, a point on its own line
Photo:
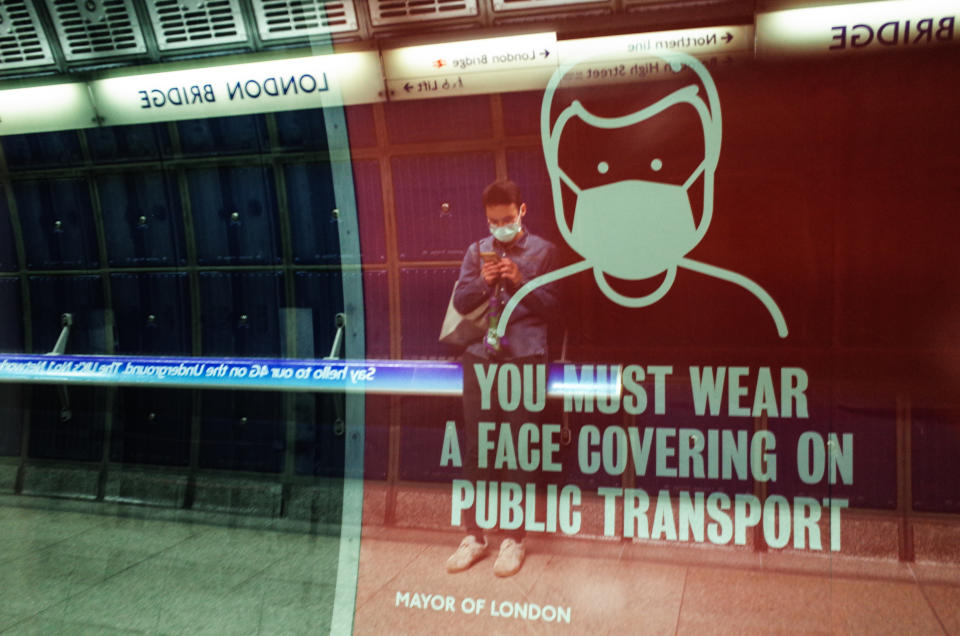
408 87
439 64
726 38
545 53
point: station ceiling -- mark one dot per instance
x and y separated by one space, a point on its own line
57 37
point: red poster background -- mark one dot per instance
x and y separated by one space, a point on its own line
836 191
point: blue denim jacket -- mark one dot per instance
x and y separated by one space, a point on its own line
526 333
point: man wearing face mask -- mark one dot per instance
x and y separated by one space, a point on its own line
494 268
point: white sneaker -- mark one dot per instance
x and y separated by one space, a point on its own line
510 559
469 552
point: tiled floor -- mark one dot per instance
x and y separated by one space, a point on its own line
76 573
65 572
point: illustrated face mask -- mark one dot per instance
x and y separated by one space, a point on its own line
633 229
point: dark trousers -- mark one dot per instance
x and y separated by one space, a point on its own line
472 415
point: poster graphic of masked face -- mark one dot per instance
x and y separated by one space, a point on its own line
637 226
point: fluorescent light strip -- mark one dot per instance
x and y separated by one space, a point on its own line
46 108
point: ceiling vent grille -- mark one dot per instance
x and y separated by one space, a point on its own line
405 11
22 42
90 29
292 18
181 24
510 5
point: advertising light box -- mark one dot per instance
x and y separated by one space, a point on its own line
645 335
848 28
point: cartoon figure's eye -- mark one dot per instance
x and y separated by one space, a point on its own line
656 164
603 167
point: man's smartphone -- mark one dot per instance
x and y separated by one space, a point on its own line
489 257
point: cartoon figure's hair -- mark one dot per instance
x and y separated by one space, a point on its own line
709 115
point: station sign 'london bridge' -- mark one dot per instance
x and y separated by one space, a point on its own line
253 88
237 89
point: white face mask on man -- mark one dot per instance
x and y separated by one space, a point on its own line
505 233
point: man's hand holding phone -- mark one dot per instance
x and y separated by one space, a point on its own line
494 268
509 270
491 267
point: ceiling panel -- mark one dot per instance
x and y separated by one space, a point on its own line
410 11
292 18
22 41
509 5
91 29
181 24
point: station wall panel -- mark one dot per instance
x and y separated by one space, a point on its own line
376 437
369 196
242 430
322 294
422 185
361 126
67 426
874 455
423 424
151 426
42 150
152 313
12 405
301 129
240 313
314 233
81 296
439 119
144 142
524 112
8 250
11 316
526 168
935 447
376 308
234 215
223 135
319 445
424 295
57 224
142 219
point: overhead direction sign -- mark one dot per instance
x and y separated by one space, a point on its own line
515 52
856 27
633 57
645 67
237 89
469 84
719 40
491 65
